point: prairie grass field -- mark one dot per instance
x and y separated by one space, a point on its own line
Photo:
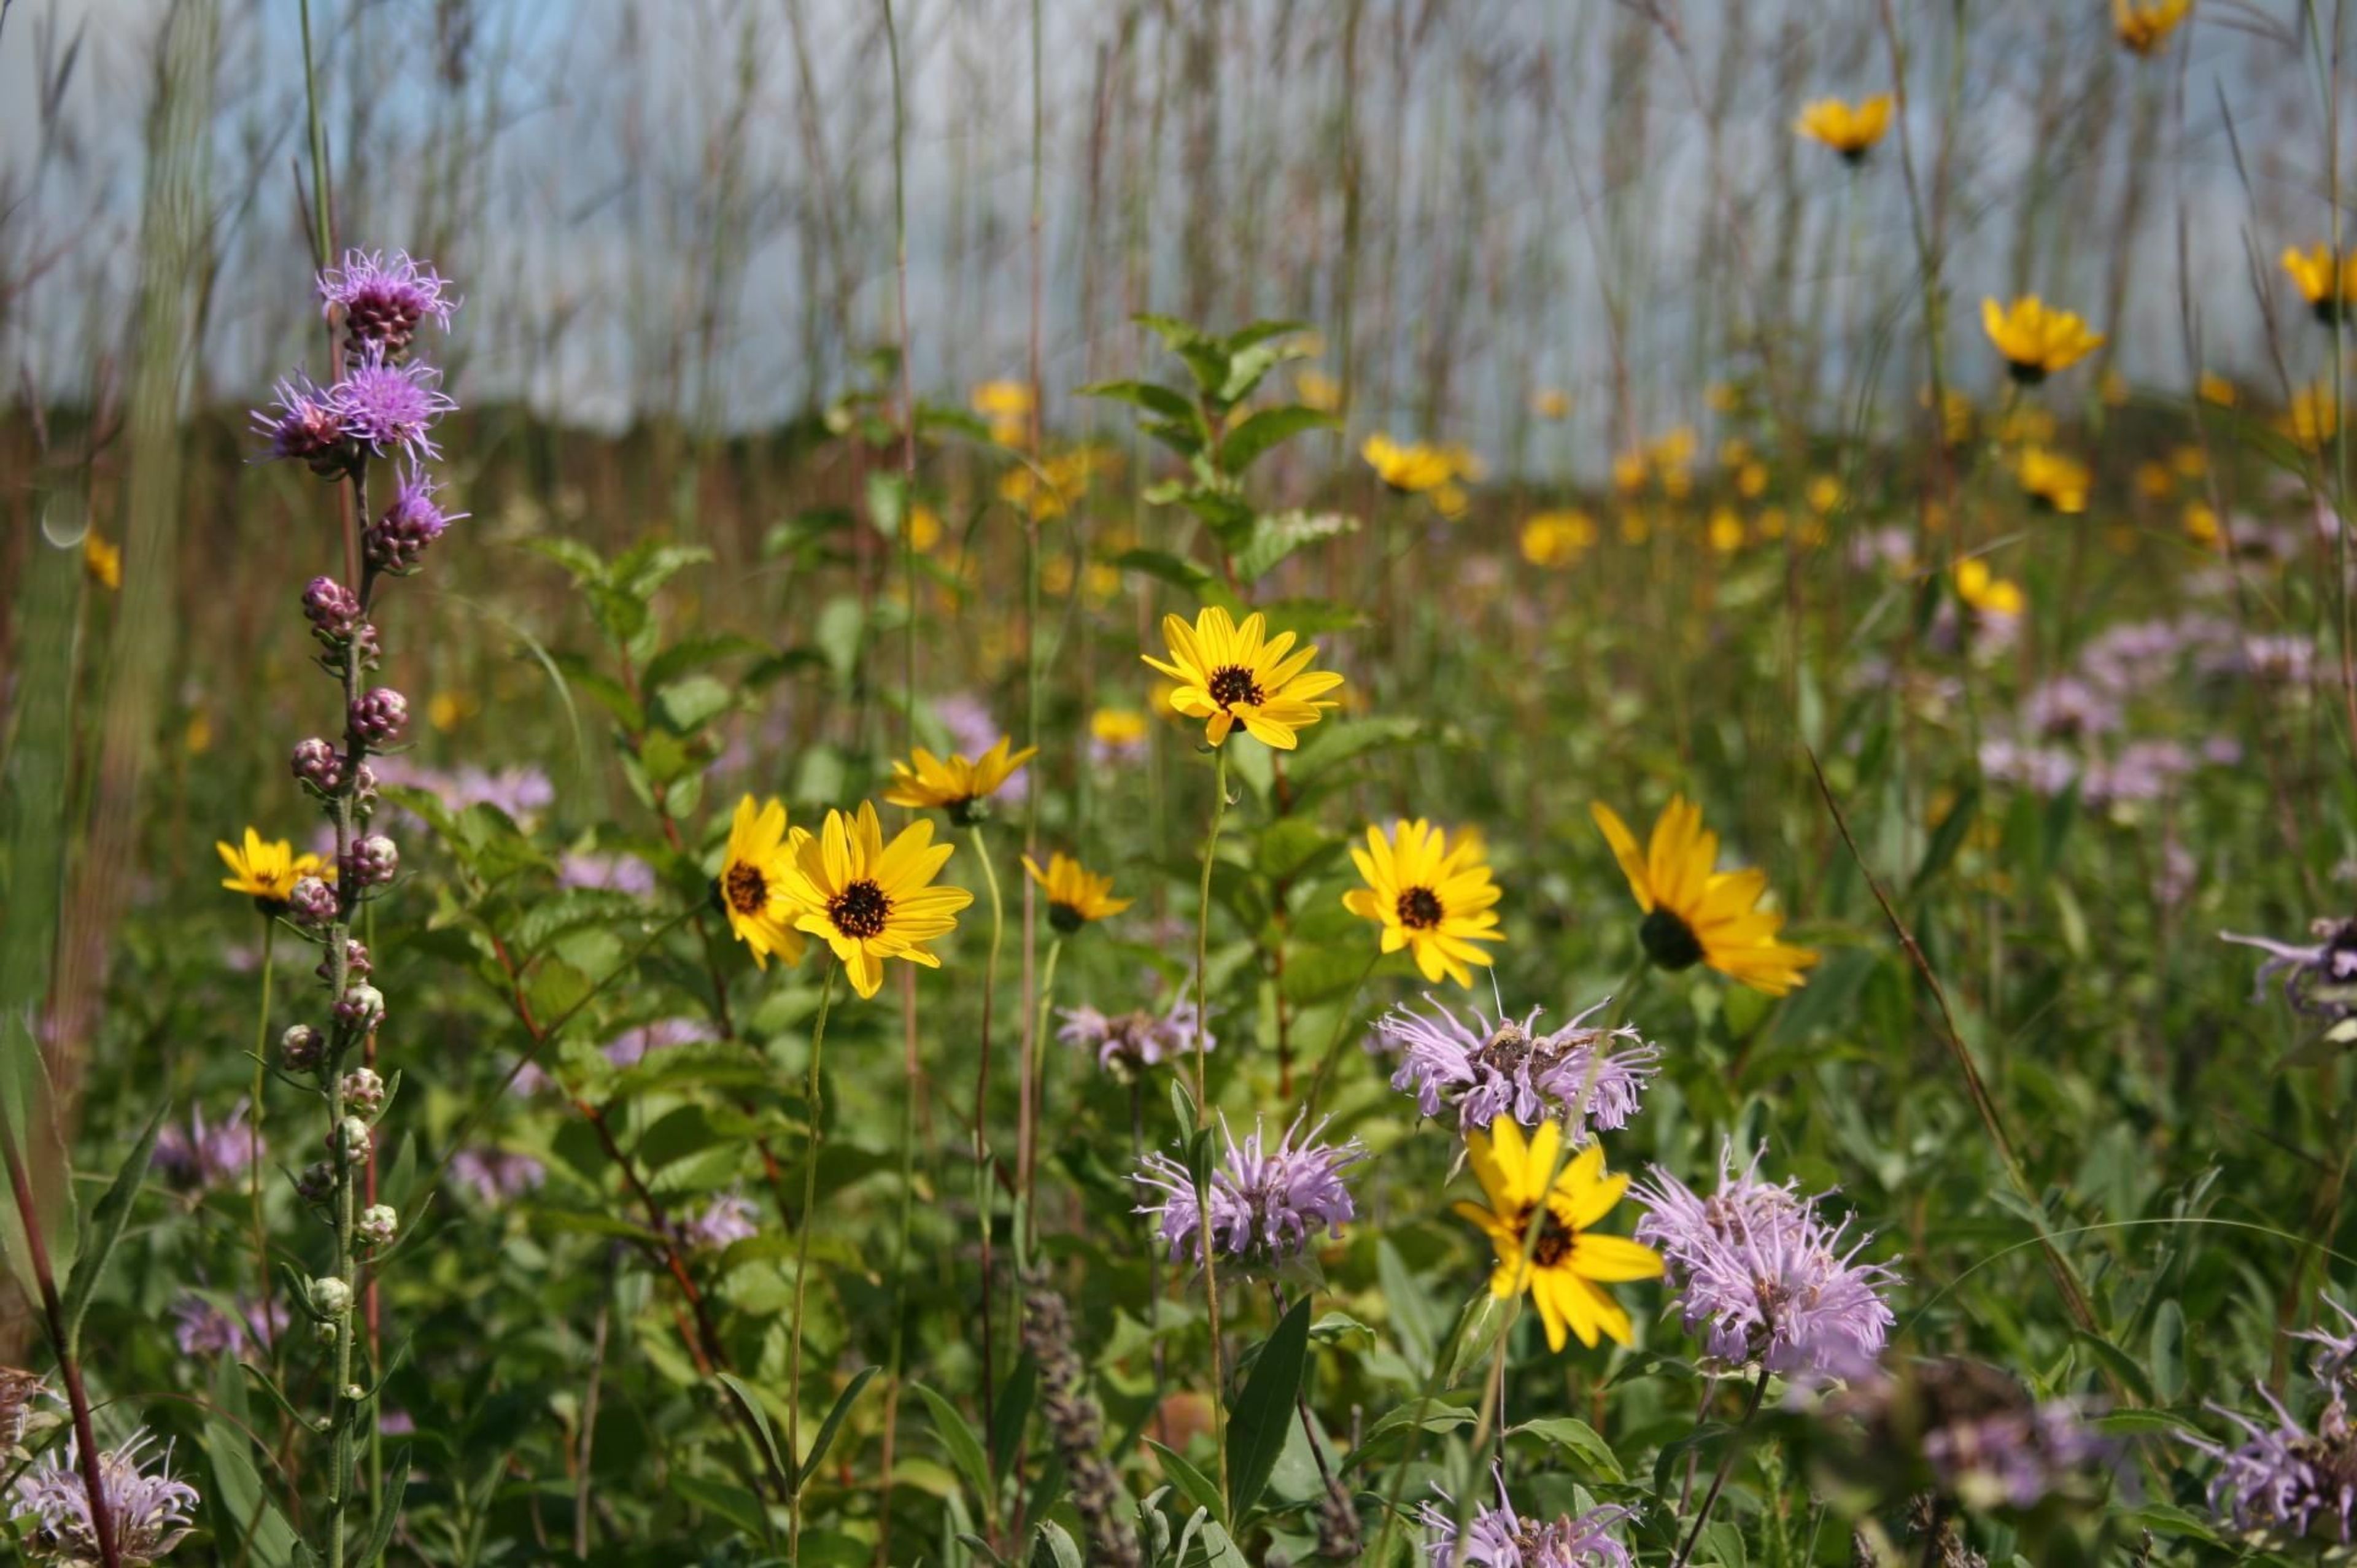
1102 784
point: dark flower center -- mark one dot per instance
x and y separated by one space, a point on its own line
747 890
1419 908
1555 1240
1232 683
1669 942
1066 918
2027 372
860 910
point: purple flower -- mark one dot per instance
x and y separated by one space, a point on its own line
2319 979
149 1513
2284 1478
496 1176
2340 1357
728 1218
411 521
1267 1205
390 407
202 1155
1494 1067
1762 1277
633 1046
383 298
613 873
2013 1457
1136 1040
305 425
1500 1538
2045 768
2068 706
522 793
202 1328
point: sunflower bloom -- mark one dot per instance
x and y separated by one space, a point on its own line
1076 894
870 901
267 870
2145 24
1230 675
1849 130
1434 900
2037 341
954 784
1694 914
1987 593
2055 480
1412 469
1571 1261
753 885
2330 288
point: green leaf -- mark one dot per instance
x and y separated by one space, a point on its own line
837 634
241 1513
1151 396
1274 538
388 1517
2168 1355
1415 1318
888 502
1948 837
1578 1439
105 1228
735 1504
1264 1410
1014 1413
1258 433
964 1449
1330 745
690 702
1060 1545
742 1392
1198 1488
832 1424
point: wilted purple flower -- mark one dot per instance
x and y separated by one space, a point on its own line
413 520
2283 1478
2142 770
496 1176
149 1513
1761 1278
1494 1067
2319 979
1500 1538
305 425
389 407
1135 1040
613 873
203 1154
202 1328
1267 1205
632 1046
727 1219
383 298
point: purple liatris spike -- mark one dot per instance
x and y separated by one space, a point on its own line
389 407
313 902
1267 1206
305 424
1500 1538
373 862
333 610
1486 1069
398 539
379 715
383 298
149 1512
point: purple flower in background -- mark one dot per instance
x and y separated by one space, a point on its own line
2283 1478
612 873
1136 1040
2068 706
728 1218
1500 1538
634 1045
2014 1457
520 792
383 299
2319 979
1761 1278
305 425
2045 768
2340 1355
1492 1068
496 1176
149 1513
1267 1205
201 1328
203 1154
390 407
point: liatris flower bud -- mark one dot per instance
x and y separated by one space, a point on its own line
363 789
386 406
333 610
361 1007
301 1047
351 1138
377 1224
330 1297
373 862
396 541
317 1185
379 715
312 903
363 1092
383 299
1076 1426
318 766
365 652
306 427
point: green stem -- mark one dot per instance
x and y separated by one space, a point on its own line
1203 1109
982 1206
1726 1465
253 1121
1035 1086
801 1275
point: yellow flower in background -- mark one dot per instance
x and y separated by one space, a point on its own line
1431 899
1848 129
1734 452
1723 397
2035 340
445 711
2202 523
267 870
1551 403
102 558
2188 462
2027 425
1317 390
1229 674
2314 417
1076 894
1812 533
1635 527
1163 700
2216 389
1570 1261
1557 539
1752 480
1985 591
1726 530
1823 494
1007 406
1956 415
952 784
1413 469
2330 289
199 737
1451 501
1771 523
924 526
753 882
1055 484
1629 472
2112 387
2145 24
1695 914
2053 479
870 901
2155 481
1117 732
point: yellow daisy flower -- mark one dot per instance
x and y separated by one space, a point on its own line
267 870
2314 416
1413 469
1571 1261
2145 24
2328 289
870 901
1007 406
753 885
1117 729
1725 530
954 785
2201 524
1075 893
1234 676
2037 341
2053 481
1849 130
1985 591
2217 390
1557 539
1694 914
1433 900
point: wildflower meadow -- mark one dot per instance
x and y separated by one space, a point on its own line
1419 783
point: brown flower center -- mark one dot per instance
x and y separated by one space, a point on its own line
747 890
1555 1240
1419 908
860 910
1232 683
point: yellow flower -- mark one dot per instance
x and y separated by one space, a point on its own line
1694 914
1435 901
1317 390
954 784
266 871
1451 501
755 877
1412 469
1674 450
2155 481
1723 397
1635 527
2329 290
2188 462
1849 130
445 711
1557 539
2112 387
2025 424
1075 893
1055 487
1752 480
1824 494
101 560
1570 1260
2055 480
1007 406
2036 341
1117 729
2313 418
1551 403
2216 389
1985 591
198 738
870 901
924 525
1956 415
1629 472
2201 523
1229 674
2145 24
1771 523
1726 530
